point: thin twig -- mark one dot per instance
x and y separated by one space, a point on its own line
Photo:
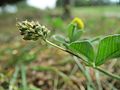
108 73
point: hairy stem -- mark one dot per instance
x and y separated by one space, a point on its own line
66 50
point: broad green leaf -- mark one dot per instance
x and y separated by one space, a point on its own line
109 47
83 48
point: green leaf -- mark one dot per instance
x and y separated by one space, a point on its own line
83 48
109 48
59 38
77 34
71 28
74 33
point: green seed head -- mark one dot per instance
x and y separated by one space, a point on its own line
32 30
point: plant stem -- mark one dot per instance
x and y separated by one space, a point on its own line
97 68
13 80
98 80
66 50
86 74
23 74
107 73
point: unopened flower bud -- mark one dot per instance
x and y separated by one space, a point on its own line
79 22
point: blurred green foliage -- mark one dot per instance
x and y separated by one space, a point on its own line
79 3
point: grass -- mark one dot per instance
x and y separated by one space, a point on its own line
97 9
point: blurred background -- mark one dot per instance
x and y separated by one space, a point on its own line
54 70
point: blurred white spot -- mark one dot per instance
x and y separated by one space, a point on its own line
10 8
114 0
42 4
14 52
0 9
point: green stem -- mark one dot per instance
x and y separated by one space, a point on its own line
23 74
97 68
107 73
65 50
85 72
13 80
98 79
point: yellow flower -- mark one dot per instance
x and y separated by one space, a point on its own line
79 22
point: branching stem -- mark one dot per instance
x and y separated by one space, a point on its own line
97 68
